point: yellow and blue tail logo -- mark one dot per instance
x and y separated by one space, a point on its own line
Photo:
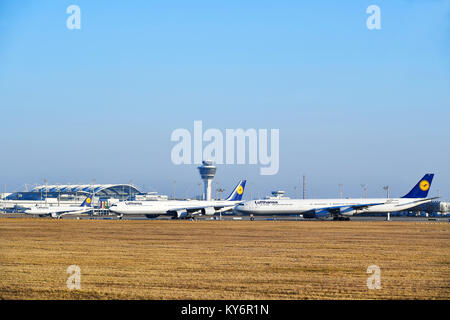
238 191
421 189
87 202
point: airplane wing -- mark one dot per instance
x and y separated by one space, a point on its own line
346 208
362 206
420 201
197 208
206 209
76 212
60 213
355 206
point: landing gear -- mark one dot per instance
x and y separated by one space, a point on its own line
252 218
340 218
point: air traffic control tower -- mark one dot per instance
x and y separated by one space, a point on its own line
207 172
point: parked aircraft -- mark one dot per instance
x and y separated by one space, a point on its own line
179 209
338 209
58 211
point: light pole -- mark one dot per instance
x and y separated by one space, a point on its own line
341 187
388 215
46 190
220 190
304 187
387 191
217 187
174 188
364 190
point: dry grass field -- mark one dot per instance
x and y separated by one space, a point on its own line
223 259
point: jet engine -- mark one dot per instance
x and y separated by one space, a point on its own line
181 215
208 211
313 214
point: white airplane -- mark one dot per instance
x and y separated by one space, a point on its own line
338 209
179 209
25 204
58 211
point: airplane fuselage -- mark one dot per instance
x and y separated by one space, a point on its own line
297 207
48 210
166 206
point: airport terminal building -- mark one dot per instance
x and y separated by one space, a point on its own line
75 194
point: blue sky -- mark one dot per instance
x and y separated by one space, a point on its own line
353 105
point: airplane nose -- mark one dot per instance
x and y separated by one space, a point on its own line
114 208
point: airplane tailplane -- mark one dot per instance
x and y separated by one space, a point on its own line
421 189
238 191
87 202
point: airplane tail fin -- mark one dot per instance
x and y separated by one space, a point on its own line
87 202
238 191
421 189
